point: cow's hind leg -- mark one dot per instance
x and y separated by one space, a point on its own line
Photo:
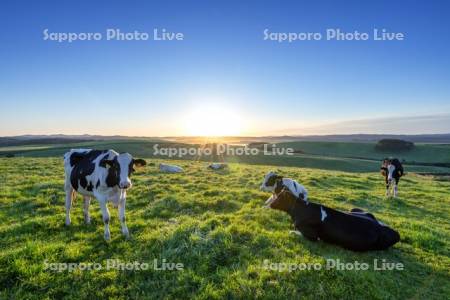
70 194
87 216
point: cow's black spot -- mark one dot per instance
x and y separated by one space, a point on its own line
112 179
83 167
98 184
278 186
76 158
130 168
272 179
83 182
90 186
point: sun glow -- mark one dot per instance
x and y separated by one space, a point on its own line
212 121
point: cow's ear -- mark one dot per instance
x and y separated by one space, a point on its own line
106 163
139 162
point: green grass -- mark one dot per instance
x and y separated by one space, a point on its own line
214 223
338 156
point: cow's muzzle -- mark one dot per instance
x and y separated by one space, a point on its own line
125 185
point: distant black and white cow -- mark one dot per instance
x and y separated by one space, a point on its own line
104 174
275 183
392 170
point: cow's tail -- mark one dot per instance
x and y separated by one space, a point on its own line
388 237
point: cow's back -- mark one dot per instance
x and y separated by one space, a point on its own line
357 233
79 164
398 166
72 157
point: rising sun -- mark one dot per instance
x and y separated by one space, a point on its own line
213 121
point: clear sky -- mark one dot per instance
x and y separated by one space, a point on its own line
223 71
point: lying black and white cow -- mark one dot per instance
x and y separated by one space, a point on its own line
392 170
275 183
104 174
357 230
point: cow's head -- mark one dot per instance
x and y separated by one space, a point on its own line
268 184
384 167
121 167
283 201
390 171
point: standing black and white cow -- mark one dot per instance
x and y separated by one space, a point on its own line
103 174
392 170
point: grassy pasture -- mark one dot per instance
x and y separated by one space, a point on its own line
338 156
214 223
422 153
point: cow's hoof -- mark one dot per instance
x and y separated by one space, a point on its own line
107 237
67 223
87 222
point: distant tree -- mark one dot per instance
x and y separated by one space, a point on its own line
394 145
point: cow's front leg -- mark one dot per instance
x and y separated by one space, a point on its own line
70 193
87 202
105 213
395 190
388 186
122 201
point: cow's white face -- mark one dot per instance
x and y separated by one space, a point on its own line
391 169
125 161
268 184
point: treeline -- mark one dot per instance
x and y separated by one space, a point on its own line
394 145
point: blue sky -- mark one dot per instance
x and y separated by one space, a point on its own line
157 88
